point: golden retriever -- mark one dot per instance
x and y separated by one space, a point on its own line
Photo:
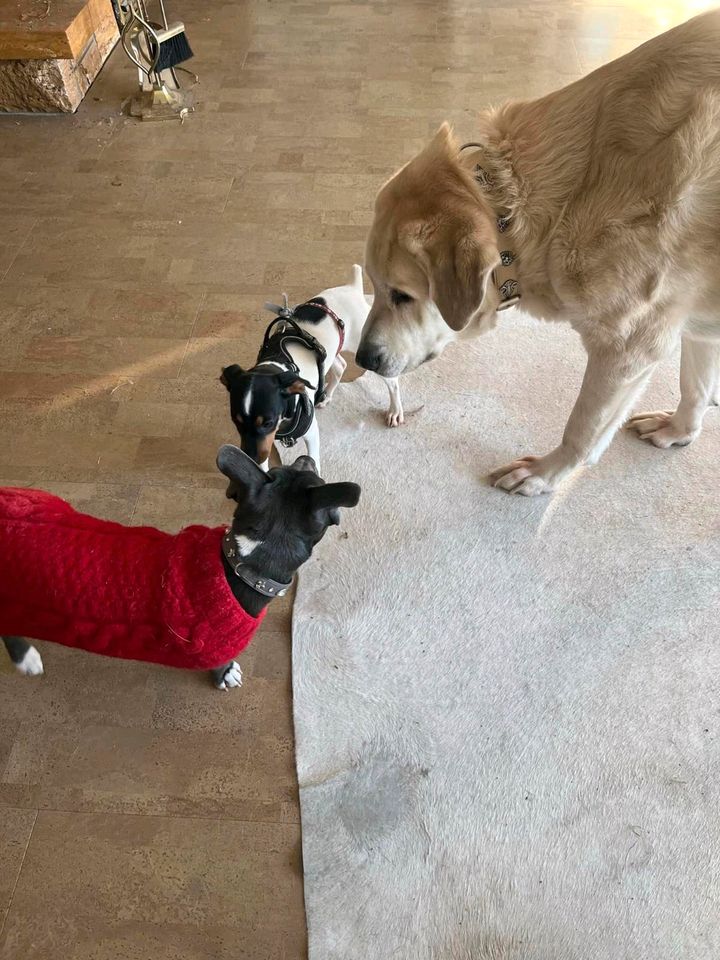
602 200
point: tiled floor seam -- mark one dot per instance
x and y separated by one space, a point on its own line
17 877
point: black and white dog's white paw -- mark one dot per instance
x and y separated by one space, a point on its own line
31 664
228 677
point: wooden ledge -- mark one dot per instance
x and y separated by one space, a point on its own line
52 29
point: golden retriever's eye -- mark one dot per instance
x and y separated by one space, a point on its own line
398 297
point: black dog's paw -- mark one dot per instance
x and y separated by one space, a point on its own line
225 678
31 664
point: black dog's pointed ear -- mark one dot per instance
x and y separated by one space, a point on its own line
330 496
228 374
304 463
241 470
290 382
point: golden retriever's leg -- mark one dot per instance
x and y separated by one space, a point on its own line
699 377
395 415
612 382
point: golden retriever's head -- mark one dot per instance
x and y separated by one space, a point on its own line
430 254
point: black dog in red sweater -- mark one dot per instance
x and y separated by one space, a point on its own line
191 600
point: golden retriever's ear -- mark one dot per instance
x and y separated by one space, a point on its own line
442 148
444 140
459 271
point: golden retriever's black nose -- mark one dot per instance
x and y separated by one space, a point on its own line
369 356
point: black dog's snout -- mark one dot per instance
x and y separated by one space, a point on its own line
369 356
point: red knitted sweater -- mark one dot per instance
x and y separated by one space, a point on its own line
131 592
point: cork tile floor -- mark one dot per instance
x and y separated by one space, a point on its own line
142 815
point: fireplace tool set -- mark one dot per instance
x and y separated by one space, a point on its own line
157 48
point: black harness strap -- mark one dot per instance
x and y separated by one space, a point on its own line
299 411
283 330
297 422
274 349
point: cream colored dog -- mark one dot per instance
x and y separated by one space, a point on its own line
598 205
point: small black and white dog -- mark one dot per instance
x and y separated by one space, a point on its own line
280 516
298 369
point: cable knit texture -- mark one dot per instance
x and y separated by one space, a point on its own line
131 592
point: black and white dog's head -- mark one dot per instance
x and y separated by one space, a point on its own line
259 400
283 513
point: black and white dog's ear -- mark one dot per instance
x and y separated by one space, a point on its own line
228 374
241 470
330 496
290 382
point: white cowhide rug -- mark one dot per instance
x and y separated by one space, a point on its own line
508 710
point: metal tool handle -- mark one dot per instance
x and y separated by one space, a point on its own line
139 26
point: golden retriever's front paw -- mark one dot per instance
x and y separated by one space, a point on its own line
527 476
661 427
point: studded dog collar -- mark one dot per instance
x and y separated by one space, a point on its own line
504 276
265 586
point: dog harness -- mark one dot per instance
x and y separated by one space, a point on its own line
131 592
284 330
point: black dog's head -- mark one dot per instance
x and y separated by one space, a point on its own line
283 513
259 400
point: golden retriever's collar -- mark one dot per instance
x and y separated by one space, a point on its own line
504 276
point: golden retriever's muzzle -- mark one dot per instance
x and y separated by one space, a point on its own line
376 357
